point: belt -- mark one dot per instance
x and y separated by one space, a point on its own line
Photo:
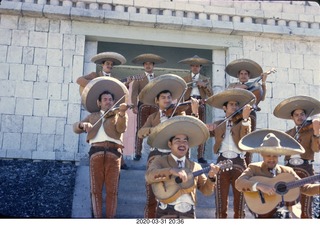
183 208
298 161
231 155
107 144
196 96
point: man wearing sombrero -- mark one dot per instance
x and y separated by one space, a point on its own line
200 88
161 92
306 132
178 133
148 61
104 128
261 181
237 104
106 60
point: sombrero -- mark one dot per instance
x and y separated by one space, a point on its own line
98 85
195 60
116 58
195 129
175 84
310 105
244 64
268 141
241 96
140 59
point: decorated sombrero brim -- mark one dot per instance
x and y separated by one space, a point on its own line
241 96
244 64
171 82
195 60
196 131
310 105
114 57
148 57
98 85
268 141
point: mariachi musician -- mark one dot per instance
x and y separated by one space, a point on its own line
199 87
148 61
307 133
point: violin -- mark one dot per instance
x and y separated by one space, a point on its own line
307 126
180 108
114 111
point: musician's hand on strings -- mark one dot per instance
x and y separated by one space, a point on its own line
123 108
264 77
135 109
211 126
201 84
316 126
269 190
246 111
179 173
213 170
86 126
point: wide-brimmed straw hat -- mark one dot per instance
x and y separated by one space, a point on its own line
244 64
268 141
98 85
114 57
174 83
195 60
310 105
148 57
196 131
241 96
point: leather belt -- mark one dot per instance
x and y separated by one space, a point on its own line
298 161
107 144
196 96
231 155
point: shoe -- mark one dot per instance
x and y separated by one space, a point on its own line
202 160
137 158
124 167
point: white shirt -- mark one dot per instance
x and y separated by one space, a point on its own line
228 143
106 74
195 89
148 75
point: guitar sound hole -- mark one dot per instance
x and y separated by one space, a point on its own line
281 188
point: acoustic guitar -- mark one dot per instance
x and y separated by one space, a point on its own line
287 189
256 88
168 191
124 80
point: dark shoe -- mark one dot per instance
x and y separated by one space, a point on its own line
124 167
202 160
137 158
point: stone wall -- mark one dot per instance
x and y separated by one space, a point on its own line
46 45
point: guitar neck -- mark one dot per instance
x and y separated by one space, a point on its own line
299 183
199 172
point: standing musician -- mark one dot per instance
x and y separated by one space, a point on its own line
227 134
161 92
245 69
178 134
299 108
199 88
143 111
107 60
104 130
263 182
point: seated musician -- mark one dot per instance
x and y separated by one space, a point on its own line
178 134
259 180
161 92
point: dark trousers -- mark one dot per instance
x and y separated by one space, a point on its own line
143 112
170 212
104 170
224 180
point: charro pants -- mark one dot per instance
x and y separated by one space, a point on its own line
104 170
151 201
224 180
304 170
143 113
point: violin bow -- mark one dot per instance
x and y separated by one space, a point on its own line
108 111
181 96
304 122
273 70
234 113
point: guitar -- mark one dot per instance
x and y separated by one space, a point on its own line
287 187
256 88
126 81
168 191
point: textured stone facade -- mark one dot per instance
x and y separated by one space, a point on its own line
45 47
